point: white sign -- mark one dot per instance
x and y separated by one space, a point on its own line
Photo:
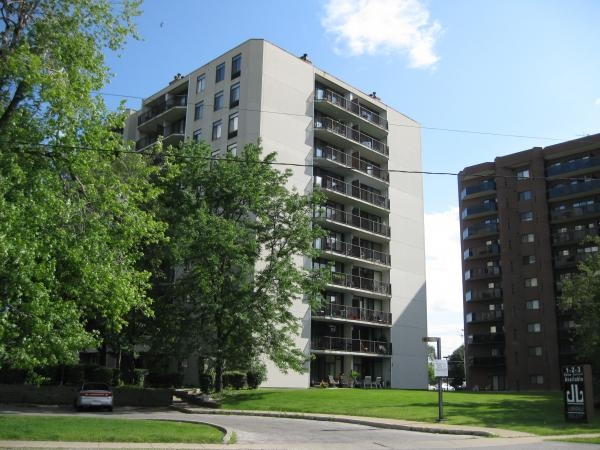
440 367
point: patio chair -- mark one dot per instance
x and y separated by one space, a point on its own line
378 383
367 381
332 381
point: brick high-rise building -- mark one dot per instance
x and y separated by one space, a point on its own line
523 219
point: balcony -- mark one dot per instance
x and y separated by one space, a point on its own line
372 228
349 345
344 312
479 273
172 135
563 261
172 109
484 229
576 212
342 135
348 190
485 316
475 190
479 210
338 102
483 294
482 252
337 247
364 284
339 158
573 236
563 190
487 361
493 338
576 165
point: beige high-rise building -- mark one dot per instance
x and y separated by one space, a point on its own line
346 142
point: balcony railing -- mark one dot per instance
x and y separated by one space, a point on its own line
483 294
335 185
493 338
346 218
482 272
355 251
177 100
478 252
480 230
487 185
365 284
578 211
569 260
349 133
325 95
575 188
338 156
573 236
353 313
478 209
169 132
340 344
485 316
572 166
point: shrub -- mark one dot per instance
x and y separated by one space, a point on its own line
74 374
12 376
256 375
234 379
206 381
164 379
98 373
139 377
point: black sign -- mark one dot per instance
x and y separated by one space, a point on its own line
574 393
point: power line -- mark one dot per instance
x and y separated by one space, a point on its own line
20 144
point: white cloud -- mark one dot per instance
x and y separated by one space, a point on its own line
383 26
597 102
444 278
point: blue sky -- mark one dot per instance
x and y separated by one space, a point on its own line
510 67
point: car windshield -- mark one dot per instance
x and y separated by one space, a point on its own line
95 387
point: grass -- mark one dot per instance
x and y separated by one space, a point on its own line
582 440
89 429
537 413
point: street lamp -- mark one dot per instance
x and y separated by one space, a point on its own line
438 375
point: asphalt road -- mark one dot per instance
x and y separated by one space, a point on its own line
282 433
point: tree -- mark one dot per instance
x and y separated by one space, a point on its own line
580 299
238 237
74 203
430 370
456 367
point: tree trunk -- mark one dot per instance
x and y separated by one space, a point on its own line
219 374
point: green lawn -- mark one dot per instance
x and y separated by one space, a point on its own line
534 413
89 429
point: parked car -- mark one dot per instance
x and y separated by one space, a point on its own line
94 395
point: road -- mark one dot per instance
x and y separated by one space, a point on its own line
282 433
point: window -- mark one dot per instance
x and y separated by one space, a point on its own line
535 351
528 259
531 282
534 327
220 73
527 238
233 125
217 129
218 101
234 95
236 66
468 296
526 216
232 149
525 195
493 329
536 379
523 174
201 83
197 135
214 154
198 110
533 304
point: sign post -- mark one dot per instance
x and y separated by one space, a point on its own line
578 392
440 370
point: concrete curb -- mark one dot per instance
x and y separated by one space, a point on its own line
379 423
228 433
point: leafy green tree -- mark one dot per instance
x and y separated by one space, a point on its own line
456 367
237 240
430 371
74 204
580 299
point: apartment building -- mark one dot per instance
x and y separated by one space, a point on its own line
524 218
344 142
